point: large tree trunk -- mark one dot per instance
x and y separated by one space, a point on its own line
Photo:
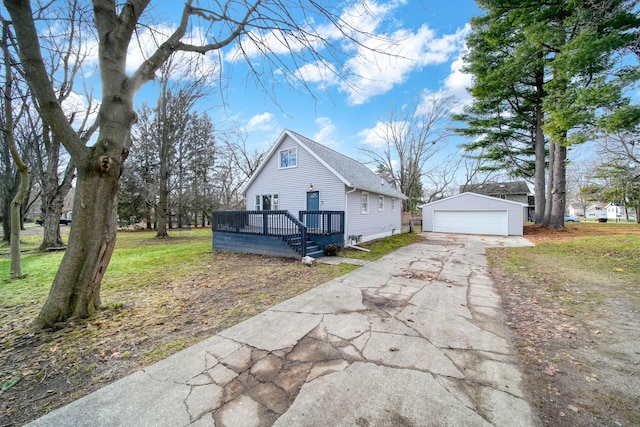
549 190
75 291
51 237
23 186
540 156
559 190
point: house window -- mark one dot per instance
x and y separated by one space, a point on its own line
365 203
289 158
381 203
393 205
267 202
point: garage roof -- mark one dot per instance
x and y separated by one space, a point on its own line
472 195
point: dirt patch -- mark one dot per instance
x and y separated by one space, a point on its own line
40 372
578 337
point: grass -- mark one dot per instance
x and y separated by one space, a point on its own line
159 296
136 263
571 301
611 263
614 257
379 248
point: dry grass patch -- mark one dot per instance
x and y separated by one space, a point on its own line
573 302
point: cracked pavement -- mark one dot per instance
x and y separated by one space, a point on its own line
416 338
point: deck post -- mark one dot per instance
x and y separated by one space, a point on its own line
265 223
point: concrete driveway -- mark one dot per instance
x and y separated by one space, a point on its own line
416 338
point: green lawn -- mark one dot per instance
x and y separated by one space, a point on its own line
136 263
616 257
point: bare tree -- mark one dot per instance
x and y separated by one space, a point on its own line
237 163
622 144
9 136
75 290
580 183
172 119
67 52
411 137
476 170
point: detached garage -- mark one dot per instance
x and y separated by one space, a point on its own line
471 213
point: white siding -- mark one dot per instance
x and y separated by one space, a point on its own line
375 224
292 184
468 203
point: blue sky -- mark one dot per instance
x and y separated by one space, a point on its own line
429 35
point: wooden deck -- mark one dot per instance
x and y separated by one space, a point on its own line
277 233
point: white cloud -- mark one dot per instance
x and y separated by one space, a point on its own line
365 16
381 67
377 136
321 72
458 81
264 122
256 44
327 133
375 60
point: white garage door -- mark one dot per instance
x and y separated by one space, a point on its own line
471 222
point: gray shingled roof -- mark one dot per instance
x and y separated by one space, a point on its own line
499 188
353 172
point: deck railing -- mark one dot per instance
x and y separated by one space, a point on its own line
266 223
321 226
323 222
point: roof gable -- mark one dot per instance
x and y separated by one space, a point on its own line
351 172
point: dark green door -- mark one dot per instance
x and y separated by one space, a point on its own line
313 204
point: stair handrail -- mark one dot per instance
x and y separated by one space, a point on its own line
302 229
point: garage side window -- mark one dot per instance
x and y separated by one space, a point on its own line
365 203
381 203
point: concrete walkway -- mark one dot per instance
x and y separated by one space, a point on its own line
416 338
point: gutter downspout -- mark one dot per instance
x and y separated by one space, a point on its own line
346 222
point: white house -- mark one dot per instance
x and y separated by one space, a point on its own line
299 174
599 210
471 213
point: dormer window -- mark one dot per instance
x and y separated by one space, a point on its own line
289 158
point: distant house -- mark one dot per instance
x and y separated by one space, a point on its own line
590 210
316 184
517 191
615 211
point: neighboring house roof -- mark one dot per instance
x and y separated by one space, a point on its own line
499 188
589 205
351 172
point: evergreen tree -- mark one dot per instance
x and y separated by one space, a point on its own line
549 71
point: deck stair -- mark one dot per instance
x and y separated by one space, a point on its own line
312 249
